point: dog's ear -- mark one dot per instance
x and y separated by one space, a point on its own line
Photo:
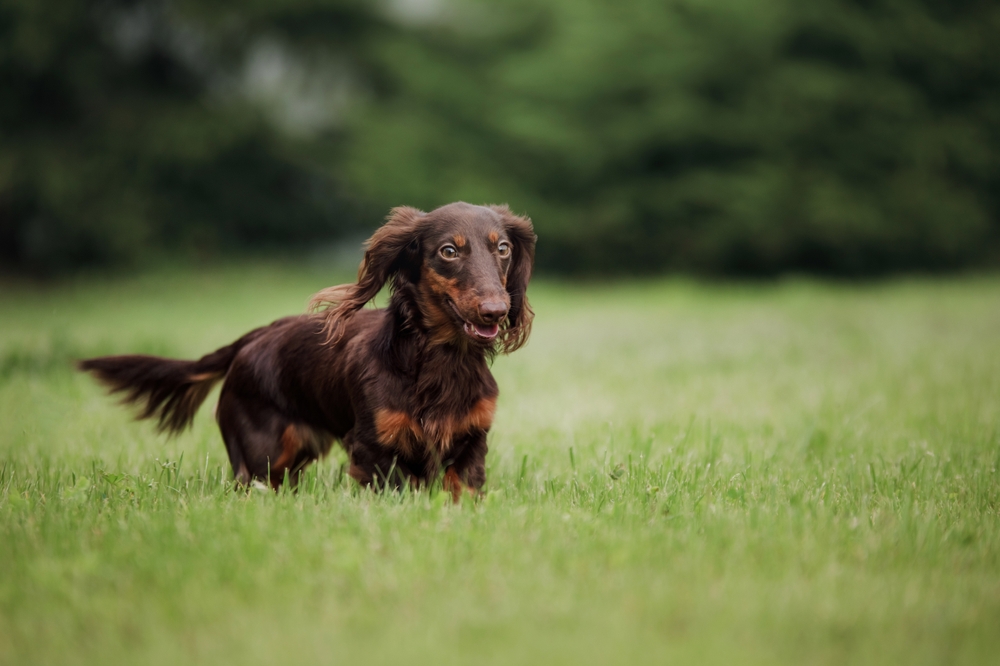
517 327
386 254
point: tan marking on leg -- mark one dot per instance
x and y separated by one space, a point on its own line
291 442
452 484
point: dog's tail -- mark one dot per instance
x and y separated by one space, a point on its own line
168 389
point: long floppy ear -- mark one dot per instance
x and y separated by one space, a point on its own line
385 254
522 236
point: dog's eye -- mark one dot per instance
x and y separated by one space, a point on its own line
503 249
449 252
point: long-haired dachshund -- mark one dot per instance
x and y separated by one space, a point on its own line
405 389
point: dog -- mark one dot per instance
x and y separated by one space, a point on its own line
406 390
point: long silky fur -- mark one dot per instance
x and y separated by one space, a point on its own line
167 389
409 392
383 253
381 264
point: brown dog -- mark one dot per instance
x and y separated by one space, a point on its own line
406 389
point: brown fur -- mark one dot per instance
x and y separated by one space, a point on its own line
291 444
453 484
397 430
406 390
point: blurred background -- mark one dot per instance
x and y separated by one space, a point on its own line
716 137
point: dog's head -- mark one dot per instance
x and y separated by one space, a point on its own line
464 269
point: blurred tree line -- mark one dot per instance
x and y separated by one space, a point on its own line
716 136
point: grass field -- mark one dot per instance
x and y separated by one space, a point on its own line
796 473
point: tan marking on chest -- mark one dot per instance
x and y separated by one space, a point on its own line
398 430
480 416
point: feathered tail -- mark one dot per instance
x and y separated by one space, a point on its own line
168 389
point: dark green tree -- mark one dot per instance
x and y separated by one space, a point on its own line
125 130
839 136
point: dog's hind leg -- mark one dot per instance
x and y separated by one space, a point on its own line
252 433
263 444
300 445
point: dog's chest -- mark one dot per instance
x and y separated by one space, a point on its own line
436 430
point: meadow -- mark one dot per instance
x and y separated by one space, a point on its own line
791 472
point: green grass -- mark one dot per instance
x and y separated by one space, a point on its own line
786 473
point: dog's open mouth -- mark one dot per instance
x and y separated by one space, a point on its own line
482 332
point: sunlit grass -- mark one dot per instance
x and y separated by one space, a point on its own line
792 473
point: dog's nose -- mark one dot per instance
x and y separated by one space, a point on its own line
492 311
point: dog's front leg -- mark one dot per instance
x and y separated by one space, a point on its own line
373 465
468 469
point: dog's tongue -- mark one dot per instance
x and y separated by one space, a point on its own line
487 331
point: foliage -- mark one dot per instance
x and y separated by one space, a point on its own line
722 136
789 473
840 136
121 135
